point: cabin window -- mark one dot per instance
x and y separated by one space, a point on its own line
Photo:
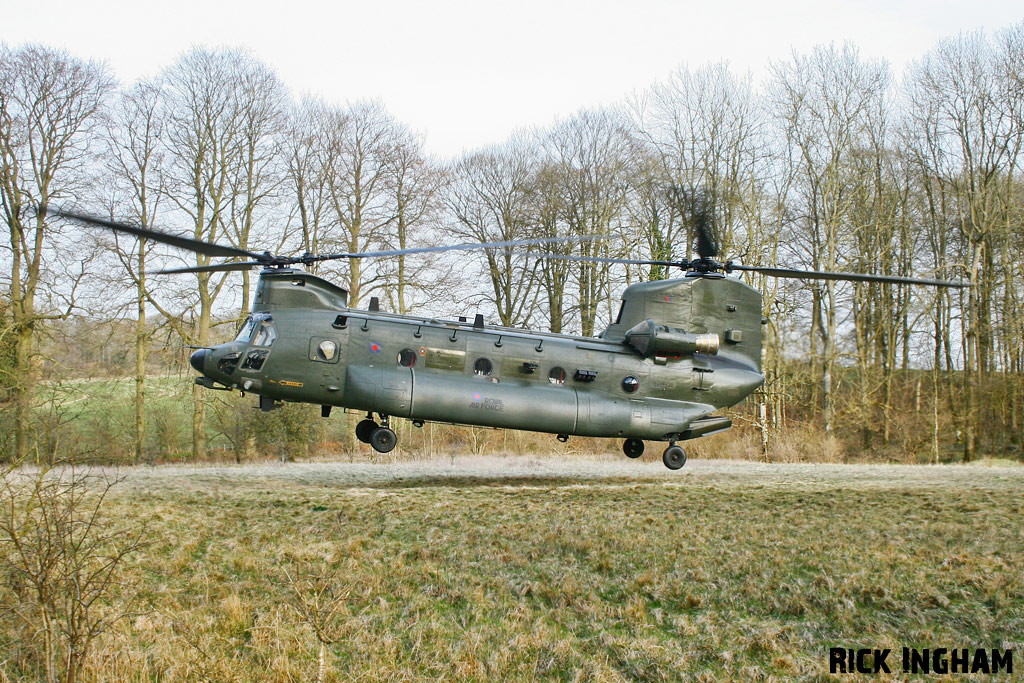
483 367
322 350
407 358
327 350
630 384
557 375
246 331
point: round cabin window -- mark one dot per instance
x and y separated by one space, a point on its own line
557 375
483 367
407 358
327 350
630 384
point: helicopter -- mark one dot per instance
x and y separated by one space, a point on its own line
679 350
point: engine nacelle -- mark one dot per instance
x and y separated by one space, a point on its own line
651 339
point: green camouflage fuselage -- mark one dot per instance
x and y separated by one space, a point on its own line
633 381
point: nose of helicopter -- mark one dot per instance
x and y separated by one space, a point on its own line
198 359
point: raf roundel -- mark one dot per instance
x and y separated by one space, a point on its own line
374 347
476 396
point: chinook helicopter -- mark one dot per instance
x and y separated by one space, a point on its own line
678 351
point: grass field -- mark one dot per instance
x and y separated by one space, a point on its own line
582 569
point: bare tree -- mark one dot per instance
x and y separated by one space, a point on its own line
362 142
224 109
548 214
590 152
968 110
64 560
262 101
318 596
135 161
490 201
821 101
310 163
660 229
50 105
414 189
706 130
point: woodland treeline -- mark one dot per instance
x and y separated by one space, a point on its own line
831 163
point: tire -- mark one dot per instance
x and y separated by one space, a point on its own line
364 429
383 440
674 457
633 448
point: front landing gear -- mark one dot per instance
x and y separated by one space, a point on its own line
381 437
633 448
674 457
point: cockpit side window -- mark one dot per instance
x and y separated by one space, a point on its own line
246 330
265 335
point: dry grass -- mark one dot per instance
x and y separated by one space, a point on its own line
579 569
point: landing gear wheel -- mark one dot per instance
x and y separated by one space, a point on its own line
364 429
633 448
674 457
383 440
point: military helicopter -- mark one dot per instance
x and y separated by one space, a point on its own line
678 351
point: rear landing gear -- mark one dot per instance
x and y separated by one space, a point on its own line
381 437
633 448
674 457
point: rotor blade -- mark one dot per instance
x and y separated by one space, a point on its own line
451 247
704 223
602 259
188 243
854 277
215 268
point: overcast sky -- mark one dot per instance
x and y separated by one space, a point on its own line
466 73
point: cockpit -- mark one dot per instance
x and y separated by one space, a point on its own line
258 331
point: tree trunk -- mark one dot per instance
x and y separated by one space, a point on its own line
22 390
971 365
198 395
321 664
140 358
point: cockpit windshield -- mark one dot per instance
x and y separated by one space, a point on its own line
259 328
246 331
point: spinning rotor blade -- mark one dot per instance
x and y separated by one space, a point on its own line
704 223
269 260
187 243
215 268
450 247
602 259
855 277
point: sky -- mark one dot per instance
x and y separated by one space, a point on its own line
468 73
